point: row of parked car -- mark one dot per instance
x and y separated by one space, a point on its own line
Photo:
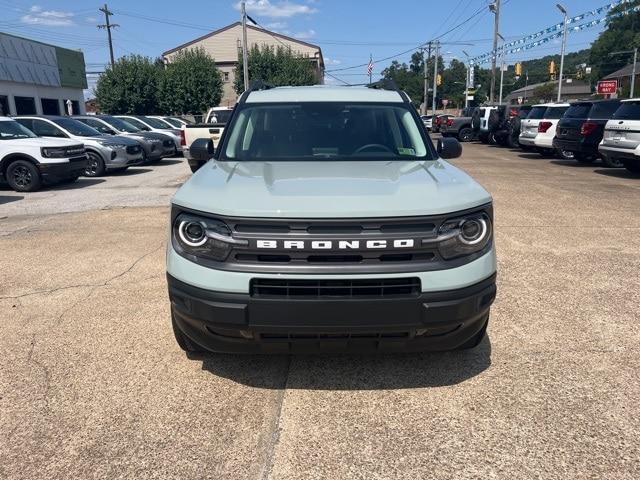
39 149
583 131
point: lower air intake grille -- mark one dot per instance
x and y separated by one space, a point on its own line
379 288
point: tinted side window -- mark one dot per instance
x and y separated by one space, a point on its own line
628 111
45 129
604 110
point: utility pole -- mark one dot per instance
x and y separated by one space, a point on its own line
108 26
502 63
495 8
467 80
245 56
435 75
633 72
564 45
426 79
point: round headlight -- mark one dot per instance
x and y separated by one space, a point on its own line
192 233
473 231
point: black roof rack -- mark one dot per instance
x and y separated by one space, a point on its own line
255 86
389 84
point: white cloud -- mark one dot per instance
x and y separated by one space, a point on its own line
331 61
276 25
52 18
282 9
304 35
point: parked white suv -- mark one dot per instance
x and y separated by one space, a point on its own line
26 161
480 123
104 152
621 140
539 128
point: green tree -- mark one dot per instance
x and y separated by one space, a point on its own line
622 33
277 66
130 86
544 93
191 83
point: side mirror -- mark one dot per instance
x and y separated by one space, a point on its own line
449 148
201 149
112 132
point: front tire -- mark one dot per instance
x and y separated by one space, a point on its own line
95 165
23 176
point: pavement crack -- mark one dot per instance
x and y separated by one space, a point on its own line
86 285
274 438
42 367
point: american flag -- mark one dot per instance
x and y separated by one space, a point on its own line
370 66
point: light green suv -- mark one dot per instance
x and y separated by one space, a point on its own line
326 220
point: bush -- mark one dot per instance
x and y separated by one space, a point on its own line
130 86
191 83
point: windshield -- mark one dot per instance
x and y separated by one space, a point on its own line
536 113
174 123
120 125
628 111
336 130
74 127
98 125
155 123
10 130
136 123
579 110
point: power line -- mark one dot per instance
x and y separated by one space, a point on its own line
411 49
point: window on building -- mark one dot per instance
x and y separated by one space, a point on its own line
225 77
76 107
25 105
50 106
4 105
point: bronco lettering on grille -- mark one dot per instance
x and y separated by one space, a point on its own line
331 244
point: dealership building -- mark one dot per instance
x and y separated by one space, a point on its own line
37 78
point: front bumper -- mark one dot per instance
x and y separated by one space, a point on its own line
54 172
234 323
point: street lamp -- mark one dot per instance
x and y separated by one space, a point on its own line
466 84
501 68
564 44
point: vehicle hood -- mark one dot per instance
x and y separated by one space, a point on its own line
326 189
111 140
152 135
42 142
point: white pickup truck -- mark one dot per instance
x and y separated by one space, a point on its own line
211 128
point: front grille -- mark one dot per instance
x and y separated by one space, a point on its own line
309 289
83 158
133 149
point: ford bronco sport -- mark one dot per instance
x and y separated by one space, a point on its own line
327 220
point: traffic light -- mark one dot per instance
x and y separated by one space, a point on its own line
439 80
518 69
552 70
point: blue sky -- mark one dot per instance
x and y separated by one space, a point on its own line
347 31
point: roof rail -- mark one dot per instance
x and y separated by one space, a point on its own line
389 84
255 86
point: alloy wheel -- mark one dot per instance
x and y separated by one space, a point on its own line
22 176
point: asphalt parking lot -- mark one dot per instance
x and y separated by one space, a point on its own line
92 384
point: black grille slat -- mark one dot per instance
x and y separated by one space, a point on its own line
393 287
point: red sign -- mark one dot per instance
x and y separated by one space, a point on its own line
607 87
